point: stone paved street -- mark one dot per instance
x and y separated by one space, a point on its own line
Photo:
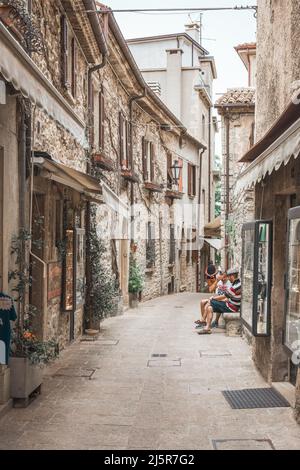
135 401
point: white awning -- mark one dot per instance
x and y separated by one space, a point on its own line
287 146
215 243
113 201
20 70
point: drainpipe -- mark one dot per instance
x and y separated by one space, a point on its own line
209 165
200 201
132 100
91 70
227 187
88 204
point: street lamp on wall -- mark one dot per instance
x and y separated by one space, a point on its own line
176 171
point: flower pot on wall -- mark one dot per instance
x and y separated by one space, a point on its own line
25 377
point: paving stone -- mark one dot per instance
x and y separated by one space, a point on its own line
127 405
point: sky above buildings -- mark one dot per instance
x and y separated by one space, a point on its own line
222 31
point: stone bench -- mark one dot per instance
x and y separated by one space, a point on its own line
233 324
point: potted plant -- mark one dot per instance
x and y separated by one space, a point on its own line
28 355
135 284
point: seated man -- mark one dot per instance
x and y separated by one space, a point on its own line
229 301
221 284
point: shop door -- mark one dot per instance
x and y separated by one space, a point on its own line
292 287
1 215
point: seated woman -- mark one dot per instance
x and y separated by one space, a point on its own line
229 301
220 284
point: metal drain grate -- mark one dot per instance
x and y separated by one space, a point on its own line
178 306
68 372
255 398
243 444
159 355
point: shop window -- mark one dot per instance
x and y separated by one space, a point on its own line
292 284
256 277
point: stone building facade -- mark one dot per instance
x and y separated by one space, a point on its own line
133 154
237 110
84 141
273 171
45 80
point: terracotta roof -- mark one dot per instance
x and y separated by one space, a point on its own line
237 97
246 45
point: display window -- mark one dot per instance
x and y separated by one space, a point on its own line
292 283
256 277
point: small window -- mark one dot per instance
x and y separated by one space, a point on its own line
150 245
101 104
203 127
169 171
148 160
172 252
191 180
68 58
125 141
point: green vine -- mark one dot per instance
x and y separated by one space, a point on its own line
104 289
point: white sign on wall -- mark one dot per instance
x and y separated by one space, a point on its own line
2 352
2 92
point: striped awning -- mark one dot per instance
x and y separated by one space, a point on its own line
279 153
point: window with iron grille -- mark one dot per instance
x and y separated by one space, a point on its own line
172 252
150 245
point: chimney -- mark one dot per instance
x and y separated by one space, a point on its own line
193 30
174 80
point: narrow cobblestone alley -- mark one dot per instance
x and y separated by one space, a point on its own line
113 393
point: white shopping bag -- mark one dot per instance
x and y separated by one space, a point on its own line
2 352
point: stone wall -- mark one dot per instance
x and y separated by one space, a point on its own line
241 206
278 60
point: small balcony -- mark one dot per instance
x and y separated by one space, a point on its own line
103 162
21 24
153 187
129 175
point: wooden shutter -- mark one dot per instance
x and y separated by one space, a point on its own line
64 51
144 158
128 144
152 160
169 170
74 66
101 119
92 114
180 183
193 180
189 179
122 137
